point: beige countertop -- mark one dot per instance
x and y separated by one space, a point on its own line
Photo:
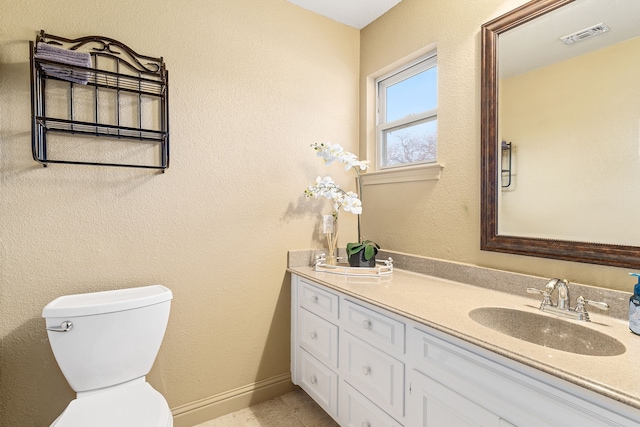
444 305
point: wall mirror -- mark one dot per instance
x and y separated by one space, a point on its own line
560 131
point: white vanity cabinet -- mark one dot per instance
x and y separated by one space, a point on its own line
371 359
464 384
370 367
348 356
314 338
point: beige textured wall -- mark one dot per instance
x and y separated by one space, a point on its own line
442 218
589 143
252 84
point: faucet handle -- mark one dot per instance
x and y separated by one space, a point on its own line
598 304
582 312
546 296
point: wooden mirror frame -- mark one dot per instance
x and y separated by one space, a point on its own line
593 253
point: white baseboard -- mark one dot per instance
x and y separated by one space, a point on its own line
211 407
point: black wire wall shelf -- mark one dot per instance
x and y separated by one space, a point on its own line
123 95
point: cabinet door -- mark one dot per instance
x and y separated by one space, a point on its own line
433 405
377 375
358 411
320 382
318 337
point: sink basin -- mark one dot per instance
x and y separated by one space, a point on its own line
548 331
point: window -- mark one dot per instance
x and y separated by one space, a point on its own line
407 104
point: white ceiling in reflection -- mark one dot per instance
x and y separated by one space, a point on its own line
537 44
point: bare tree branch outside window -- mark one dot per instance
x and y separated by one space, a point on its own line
406 147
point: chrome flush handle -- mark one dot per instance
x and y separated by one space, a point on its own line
65 326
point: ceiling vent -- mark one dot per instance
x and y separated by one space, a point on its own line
587 33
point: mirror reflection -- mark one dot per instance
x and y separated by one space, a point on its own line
560 125
569 106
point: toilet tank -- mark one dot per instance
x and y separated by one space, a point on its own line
115 335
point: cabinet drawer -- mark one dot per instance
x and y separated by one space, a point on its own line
319 337
319 381
373 327
357 411
317 300
377 375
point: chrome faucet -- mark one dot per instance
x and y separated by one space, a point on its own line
562 307
563 293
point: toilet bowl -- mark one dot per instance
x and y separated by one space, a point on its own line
105 343
131 405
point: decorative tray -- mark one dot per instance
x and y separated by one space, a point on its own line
382 268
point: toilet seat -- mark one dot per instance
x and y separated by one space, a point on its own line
135 405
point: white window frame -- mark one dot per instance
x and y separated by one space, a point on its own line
382 83
416 171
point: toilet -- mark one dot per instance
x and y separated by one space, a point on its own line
105 344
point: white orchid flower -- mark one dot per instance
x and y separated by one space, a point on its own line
351 203
326 187
334 152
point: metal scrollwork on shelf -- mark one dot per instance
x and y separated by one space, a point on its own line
127 95
108 47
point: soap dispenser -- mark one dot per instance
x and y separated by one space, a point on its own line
634 307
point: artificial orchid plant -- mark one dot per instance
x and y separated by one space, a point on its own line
347 200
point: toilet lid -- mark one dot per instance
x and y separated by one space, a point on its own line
138 405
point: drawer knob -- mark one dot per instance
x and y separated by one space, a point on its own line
314 298
366 324
366 370
313 379
313 335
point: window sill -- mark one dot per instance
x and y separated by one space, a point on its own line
427 172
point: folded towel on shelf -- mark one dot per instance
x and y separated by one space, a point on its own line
54 53
64 56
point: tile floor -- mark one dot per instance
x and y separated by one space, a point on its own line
294 409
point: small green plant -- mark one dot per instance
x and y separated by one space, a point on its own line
370 248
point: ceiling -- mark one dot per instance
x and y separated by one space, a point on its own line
355 13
